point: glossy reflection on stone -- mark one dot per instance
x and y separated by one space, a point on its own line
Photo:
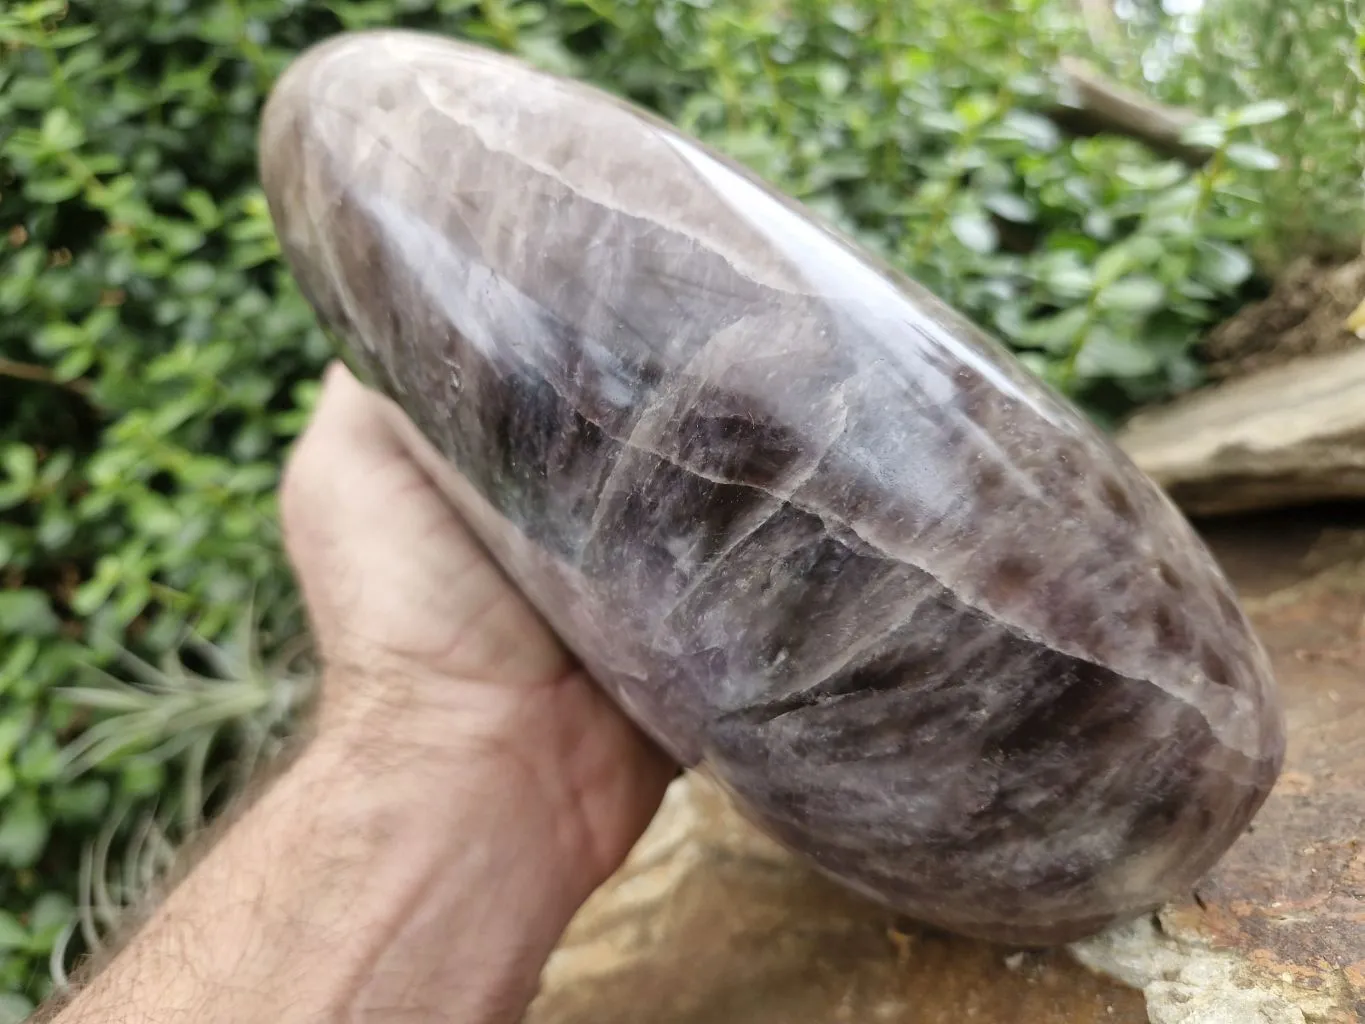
811 529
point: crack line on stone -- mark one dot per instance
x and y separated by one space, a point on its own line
828 517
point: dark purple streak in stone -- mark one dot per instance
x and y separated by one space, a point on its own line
817 534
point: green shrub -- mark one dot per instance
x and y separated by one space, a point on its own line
1232 53
155 359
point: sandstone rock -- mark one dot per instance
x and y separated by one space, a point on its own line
1288 435
710 923
813 530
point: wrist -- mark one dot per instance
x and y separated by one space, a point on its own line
549 758
458 894
346 892
464 792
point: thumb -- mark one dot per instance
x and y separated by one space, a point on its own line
347 468
350 426
353 505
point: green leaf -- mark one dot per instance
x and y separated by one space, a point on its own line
192 278
23 831
13 935
56 189
1223 265
55 468
20 463
1144 250
19 660
1107 354
51 912
40 760
1158 176
58 336
832 79
1263 112
1070 280
71 35
27 612
61 132
202 208
975 109
1136 294
1100 224
1112 265
1036 131
1253 158
975 231
141 776
1206 133
1036 363
74 364
180 239
1010 207
13 727
14 1008
83 801
1057 334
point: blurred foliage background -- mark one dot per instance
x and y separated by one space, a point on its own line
1230 53
156 361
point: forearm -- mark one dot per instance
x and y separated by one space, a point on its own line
353 895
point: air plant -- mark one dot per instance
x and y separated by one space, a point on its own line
216 729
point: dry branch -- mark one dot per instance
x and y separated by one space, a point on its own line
1092 104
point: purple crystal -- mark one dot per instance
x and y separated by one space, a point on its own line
817 534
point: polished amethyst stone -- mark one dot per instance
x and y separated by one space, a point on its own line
818 535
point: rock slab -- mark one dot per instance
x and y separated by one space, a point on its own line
712 923
1289 435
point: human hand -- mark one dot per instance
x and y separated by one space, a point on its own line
466 787
434 664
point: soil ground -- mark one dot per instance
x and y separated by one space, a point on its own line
1304 315
1290 895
